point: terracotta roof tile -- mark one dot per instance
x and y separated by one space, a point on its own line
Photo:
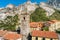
12 36
52 21
44 34
36 24
33 24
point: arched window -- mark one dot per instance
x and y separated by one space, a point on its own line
24 18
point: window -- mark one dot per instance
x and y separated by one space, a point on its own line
43 39
36 38
24 18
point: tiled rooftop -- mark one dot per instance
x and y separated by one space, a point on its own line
46 34
10 35
36 24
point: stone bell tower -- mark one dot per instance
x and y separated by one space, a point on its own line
25 27
24 22
25 11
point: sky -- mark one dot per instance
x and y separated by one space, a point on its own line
3 3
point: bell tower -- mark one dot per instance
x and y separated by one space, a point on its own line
24 22
25 11
25 27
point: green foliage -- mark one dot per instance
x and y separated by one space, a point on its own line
9 23
46 28
38 15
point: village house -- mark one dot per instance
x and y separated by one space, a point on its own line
36 26
54 25
12 36
43 35
7 35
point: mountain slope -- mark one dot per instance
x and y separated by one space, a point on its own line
38 15
55 15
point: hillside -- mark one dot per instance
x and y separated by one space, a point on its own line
55 15
9 23
39 15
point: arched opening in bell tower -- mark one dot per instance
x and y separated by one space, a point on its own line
24 18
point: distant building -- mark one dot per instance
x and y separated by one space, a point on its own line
36 26
54 25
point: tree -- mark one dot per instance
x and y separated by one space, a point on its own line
9 23
38 15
